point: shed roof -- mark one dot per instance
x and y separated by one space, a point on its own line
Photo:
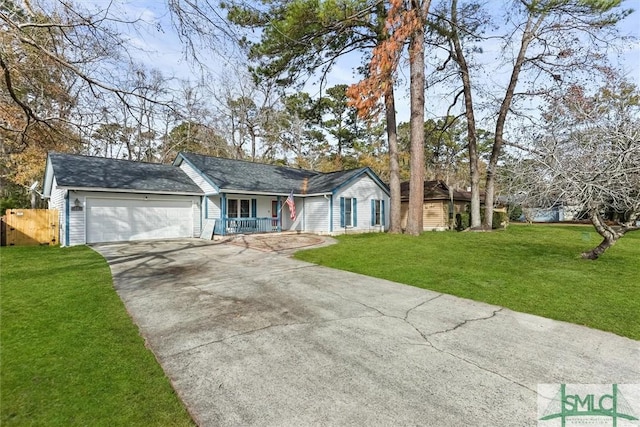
437 190
76 171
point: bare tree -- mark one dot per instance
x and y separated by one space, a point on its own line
554 41
244 110
67 79
203 29
80 48
588 158
457 29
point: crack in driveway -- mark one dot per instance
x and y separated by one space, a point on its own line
404 319
464 322
425 337
513 381
459 325
406 314
333 348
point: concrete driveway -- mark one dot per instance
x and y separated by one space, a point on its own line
250 337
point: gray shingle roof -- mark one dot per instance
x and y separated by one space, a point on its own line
240 175
437 190
326 182
98 172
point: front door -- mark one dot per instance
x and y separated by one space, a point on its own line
274 215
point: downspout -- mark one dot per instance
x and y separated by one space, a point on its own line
67 210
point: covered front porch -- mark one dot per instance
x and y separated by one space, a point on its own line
235 225
228 214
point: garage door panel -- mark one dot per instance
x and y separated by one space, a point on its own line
110 220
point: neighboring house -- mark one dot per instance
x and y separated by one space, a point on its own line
107 200
550 211
557 213
437 204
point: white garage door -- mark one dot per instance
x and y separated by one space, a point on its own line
114 220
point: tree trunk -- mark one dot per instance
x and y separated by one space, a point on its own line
253 146
474 171
610 237
594 253
395 217
416 182
498 142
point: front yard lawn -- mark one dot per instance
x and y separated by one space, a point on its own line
533 269
70 354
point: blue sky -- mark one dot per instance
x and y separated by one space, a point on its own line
161 48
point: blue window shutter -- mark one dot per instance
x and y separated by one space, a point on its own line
341 211
354 212
373 212
254 208
382 212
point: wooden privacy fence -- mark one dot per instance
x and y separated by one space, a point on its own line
25 227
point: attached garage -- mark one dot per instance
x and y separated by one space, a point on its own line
111 200
113 220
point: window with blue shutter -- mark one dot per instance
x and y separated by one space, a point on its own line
377 212
373 212
348 212
254 208
354 212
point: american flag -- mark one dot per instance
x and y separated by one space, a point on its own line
292 205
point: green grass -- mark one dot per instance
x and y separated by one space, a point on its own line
70 354
531 269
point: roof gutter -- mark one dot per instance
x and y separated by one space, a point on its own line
264 193
121 190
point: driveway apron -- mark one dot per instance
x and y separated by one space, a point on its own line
249 337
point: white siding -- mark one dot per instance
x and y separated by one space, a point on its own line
298 223
212 210
263 205
77 220
197 178
316 214
363 189
56 201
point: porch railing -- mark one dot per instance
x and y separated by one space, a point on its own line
227 226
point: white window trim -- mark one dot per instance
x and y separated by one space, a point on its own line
239 209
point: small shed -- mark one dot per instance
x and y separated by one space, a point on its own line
439 210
